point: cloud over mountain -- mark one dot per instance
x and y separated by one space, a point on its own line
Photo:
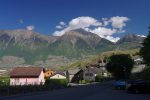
30 27
105 27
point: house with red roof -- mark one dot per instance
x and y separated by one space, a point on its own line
27 76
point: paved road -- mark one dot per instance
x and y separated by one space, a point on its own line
92 92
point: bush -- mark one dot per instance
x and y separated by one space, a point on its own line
4 81
49 85
99 78
10 90
84 81
56 83
145 74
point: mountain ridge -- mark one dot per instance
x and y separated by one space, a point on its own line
33 46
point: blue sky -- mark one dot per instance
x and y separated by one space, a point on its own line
45 15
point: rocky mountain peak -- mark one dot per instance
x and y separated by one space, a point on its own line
131 38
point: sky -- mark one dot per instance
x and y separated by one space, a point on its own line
109 19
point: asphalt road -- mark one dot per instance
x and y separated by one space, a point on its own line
102 91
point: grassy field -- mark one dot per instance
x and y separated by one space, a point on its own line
95 58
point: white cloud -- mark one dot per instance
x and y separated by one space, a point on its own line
62 23
102 31
30 27
112 39
142 36
60 33
79 22
59 27
105 21
118 22
82 22
105 28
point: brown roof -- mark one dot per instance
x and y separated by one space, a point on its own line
24 72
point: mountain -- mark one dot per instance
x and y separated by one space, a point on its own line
25 44
131 38
80 42
130 41
29 47
24 38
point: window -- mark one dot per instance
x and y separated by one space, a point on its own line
88 74
91 74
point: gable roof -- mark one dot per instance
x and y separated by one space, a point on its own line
60 73
94 70
73 71
26 72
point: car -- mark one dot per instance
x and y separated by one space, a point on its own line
120 84
138 86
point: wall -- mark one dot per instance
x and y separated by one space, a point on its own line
28 81
88 75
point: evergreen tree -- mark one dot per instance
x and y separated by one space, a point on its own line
145 50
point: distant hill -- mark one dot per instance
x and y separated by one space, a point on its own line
31 47
130 41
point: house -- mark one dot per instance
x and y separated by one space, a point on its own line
74 75
48 73
58 75
27 76
90 73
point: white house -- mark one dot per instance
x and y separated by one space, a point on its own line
58 75
27 76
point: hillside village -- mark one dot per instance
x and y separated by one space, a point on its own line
23 75
35 75
31 75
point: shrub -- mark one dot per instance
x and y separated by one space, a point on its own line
99 78
18 89
84 81
56 83
145 74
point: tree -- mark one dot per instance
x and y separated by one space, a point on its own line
145 50
120 66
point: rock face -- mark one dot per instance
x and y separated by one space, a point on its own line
130 41
131 38
33 46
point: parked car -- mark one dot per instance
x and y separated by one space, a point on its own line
120 84
138 86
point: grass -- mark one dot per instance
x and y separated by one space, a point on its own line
94 58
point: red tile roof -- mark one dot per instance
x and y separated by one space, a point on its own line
26 72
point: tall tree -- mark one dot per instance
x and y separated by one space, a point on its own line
145 50
120 66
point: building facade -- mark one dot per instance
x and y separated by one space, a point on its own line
27 76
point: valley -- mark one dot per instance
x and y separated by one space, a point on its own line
24 47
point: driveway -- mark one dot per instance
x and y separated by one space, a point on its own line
101 91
